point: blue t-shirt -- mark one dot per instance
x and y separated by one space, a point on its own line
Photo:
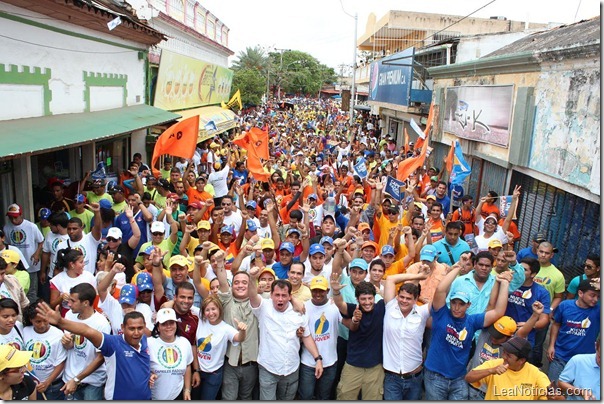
446 202
578 329
583 372
526 253
128 370
123 223
281 270
456 250
520 304
365 345
573 285
451 342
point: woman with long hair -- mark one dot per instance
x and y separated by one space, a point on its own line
213 335
171 359
71 261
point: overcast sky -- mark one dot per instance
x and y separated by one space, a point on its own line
322 29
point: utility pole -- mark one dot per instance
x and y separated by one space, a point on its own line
354 70
280 71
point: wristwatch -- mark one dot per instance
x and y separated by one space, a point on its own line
77 381
318 358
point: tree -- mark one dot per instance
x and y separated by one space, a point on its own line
252 85
300 73
251 58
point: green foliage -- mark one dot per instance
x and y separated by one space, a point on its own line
252 84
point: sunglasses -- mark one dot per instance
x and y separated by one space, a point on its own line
157 234
111 239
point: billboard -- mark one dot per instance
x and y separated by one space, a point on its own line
390 79
479 113
185 82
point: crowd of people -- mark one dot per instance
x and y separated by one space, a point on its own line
208 283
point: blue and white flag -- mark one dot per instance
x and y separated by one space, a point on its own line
461 168
393 188
100 173
210 126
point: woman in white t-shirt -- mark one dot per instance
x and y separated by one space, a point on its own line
11 330
49 355
171 359
211 341
71 261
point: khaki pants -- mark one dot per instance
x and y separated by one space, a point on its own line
368 380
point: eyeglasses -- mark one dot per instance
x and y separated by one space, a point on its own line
157 234
112 240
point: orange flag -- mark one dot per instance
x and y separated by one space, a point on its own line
407 166
178 140
406 141
249 142
259 140
449 159
430 119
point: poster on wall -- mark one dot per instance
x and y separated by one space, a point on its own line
390 79
185 82
479 113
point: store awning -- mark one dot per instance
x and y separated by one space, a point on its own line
29 135
224 119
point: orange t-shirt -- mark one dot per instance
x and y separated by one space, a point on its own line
487 209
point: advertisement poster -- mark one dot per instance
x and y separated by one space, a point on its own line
390 79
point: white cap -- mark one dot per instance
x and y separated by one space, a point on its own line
158 227
114 232
165 314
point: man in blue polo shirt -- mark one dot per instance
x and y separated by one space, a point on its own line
452 246
581 376
127 355
286 255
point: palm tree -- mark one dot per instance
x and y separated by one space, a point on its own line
252 58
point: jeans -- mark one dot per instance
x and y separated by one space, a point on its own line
53 392
310 388
555 368
342 349
210 384
397 388
32 293
540 335
89 392
238 382
474 394
276 387
442 388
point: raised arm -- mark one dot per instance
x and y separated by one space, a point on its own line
392 280
197 269
440 295
512 210
54 318
255 298
136 231
502 299
98 221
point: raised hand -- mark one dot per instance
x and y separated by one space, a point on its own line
254 272
357 315
335 284
537 307
240 325
516 193
510 256
44 310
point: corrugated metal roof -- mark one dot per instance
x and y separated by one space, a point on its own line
582 33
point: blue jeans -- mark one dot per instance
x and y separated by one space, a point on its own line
211 383
53 392
309 386
397 388
442 388
555 368
89 393
475 394
537 352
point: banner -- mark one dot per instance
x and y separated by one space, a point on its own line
178 140
393 188
390 79
185 82
255 141
361 169
461 169
504 206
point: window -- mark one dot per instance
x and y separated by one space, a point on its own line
225 38
177 10
200 20
219 35
210 29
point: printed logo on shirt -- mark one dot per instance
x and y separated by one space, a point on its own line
79 342
204 346
18 237
16 344
312 214
82 250
55 244
455 337
169 357
543 281
41 351
5 295
527 294
322 328
517 297
487 353
578 328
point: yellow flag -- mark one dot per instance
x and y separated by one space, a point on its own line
235 100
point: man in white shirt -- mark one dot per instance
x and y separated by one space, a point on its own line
232 215
278 355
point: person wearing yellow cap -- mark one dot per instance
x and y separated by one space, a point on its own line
14 383
13 258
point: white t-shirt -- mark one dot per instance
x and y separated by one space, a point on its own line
308 275
181 166
13 338
234 219
247 261
264 232
323 325
482 242
316 215
88 245
48 352
51 246
84 352
26 238
212 342
169 361
218 179
63 283
113 309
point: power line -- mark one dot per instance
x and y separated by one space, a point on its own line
67 50
457 22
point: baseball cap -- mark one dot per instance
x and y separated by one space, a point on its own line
214 145
44 213
326 239
251 225
294 230
433 197
287 246
267 269
434 178
98 183
204 224
179 260
359 263
267 243
491 216
316 248
128 294
371 244
313 196
461 295
144 281
428 253
195 205
10 256
517 346
14 210
495 243
80 198
173 196
251 204
329 217
115 188
539 237
164 183
319 282
504 327
387 250
165 314
114 232
158 227
105 204
364 226
147 250
11 357
226 229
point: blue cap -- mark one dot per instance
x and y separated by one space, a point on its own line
326 239
359 263
428 253
387 249
461 295
286 245
251 225
44 213
226 229
80 198
313 196
316 248
251 204
293 230
144 281
147 250
128 294
105 204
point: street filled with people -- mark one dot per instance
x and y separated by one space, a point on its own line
280 263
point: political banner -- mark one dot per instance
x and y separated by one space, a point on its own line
504 206
361 169
393 188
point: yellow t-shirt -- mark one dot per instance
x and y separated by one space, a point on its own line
302 294
94 198
529 383
85 217
385 225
